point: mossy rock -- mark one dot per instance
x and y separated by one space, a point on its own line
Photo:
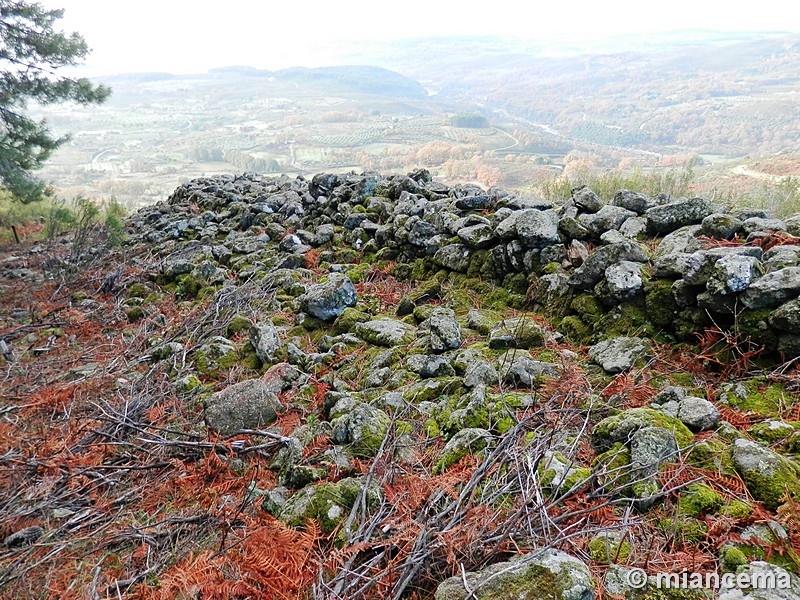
328 503
549 574
769 477
466 441
135 313
609 547
137 290
712 454
620 427
757 395
575 329
587 307
612 467
627 319
772 431
347 320
238 324
358 273
188 287
660 304
752 326
362 427
685 529
560 475
698 500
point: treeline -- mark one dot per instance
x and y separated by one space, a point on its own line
239 159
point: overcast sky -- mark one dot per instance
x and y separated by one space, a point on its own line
183 36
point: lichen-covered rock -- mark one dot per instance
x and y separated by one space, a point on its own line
673 215
773 289
538 575
633 201
586 200
454 257
245 405
721 226
362 426
787 317
466 441
624 279
733 274
328 503
594 267
327 300
698 414
767 474
480 236
621 427
633 584
608 547
518 367
265 341
385 332
445 331
605 219
618 354
780 584
215 355
519 332
559 474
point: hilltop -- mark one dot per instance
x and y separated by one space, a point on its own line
385 386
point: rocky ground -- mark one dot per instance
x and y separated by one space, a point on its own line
371 386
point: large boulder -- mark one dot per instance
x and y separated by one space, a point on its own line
618 354
328 299
767 475
540 574
673 215
248 404
773 289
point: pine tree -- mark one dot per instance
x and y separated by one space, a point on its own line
31 54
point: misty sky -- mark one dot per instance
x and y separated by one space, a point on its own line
188 36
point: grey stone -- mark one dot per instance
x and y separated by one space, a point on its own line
445 331
698 414
245 405
537 228
633 201
520 368
480 372
778 257
594 267
721 226
454 257
773 289
586 200
618 354
385 332
757 224
327 300
361 426
673 215
607 218
519 332
478 236
733 273
541 574
786 585
265 340
624 279
787 317
696 268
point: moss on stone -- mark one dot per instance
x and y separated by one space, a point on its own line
238 324
753 326
760 396
731 558
660 304
737 509
134 313
574 328
358 273
345 322
137 290
608 549
188 286
587 307
710 454
618 428
698 500
627 319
